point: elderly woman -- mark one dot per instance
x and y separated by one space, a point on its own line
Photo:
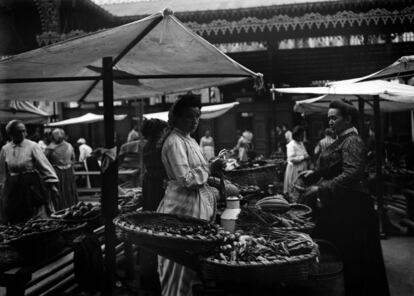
346 215
61 155
187 192
244 145
27 179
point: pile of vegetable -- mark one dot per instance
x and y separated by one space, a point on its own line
202 230
80 211
252 218
17 231
271 246
128 203
249 189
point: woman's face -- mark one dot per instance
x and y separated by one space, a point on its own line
188 120
337 122
19 133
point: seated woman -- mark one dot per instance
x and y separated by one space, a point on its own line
187 192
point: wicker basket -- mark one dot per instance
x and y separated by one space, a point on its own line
132 228
38 245
260 176
288 269
70 234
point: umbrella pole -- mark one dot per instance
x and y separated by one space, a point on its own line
361 117
378 174
109 179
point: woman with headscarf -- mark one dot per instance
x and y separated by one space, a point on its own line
61 155
346 212
187 192
27 179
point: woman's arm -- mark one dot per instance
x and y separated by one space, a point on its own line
175 156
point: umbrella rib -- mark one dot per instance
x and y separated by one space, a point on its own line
134 42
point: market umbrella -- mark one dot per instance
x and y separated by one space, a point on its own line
403 67
158 47
207 112
87 118
22 110
388 103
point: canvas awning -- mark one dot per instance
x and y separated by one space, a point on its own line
404 66
207 112
320 104
87 118
394 96
168 51
22 110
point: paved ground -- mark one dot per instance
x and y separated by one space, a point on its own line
399 261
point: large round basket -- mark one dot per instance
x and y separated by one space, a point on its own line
260 176
37 245
286 269
141 228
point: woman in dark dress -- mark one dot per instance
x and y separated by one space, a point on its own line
61 155
153 191
346 216
153 183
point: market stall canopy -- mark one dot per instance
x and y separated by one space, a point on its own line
320 104
22 110
404 66
168 51
87 118
207 112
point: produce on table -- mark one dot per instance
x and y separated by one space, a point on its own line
252 218
129 203
275 203
274 245
17 231
248 189
79 211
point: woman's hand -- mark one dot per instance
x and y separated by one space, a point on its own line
305 174
310 196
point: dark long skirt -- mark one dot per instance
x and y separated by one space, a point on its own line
67 189
24 197
349 221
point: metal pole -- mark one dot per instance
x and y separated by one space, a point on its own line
378 154
361 117
109 179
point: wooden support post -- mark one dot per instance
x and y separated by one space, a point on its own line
378 160
361 122
109 179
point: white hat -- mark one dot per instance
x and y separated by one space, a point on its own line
81 141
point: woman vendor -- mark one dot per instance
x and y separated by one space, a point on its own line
27 179
346 214
187 192
61 155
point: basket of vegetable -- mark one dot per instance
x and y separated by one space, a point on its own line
260 260
259 176
81 212
253 218
32 240
70 231
168 230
